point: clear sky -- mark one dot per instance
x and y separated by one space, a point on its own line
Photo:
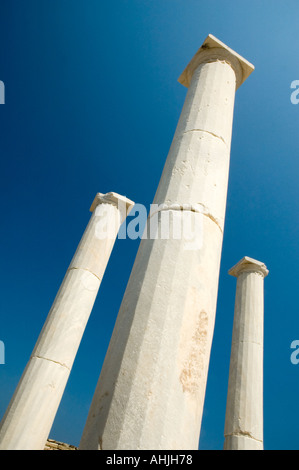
92 102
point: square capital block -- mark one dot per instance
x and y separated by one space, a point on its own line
213 49
112 198
248 265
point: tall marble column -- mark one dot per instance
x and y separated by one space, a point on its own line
244 409
31 412
150 393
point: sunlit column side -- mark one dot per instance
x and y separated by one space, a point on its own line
151 390
31 412
244 409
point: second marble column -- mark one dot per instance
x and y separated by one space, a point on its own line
244 409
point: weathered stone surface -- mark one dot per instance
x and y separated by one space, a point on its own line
31 412
164 368
151 389
51 444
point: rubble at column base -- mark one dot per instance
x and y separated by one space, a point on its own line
51 444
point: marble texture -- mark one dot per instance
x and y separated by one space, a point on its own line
244 410
151 390
31 412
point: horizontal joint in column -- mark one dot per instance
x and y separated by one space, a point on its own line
50 360
207 132
84 269
243 434
196 208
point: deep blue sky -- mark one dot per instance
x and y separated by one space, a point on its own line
92 102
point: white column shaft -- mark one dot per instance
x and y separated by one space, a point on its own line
197 166
30 415
151 389
244 411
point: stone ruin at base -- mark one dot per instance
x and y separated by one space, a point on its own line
51 444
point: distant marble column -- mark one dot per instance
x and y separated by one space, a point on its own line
151 389
32 410
244 409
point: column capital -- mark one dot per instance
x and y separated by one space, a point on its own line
212 50
114 199
248 265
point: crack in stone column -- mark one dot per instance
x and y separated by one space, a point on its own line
85 269
206 132
51 360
